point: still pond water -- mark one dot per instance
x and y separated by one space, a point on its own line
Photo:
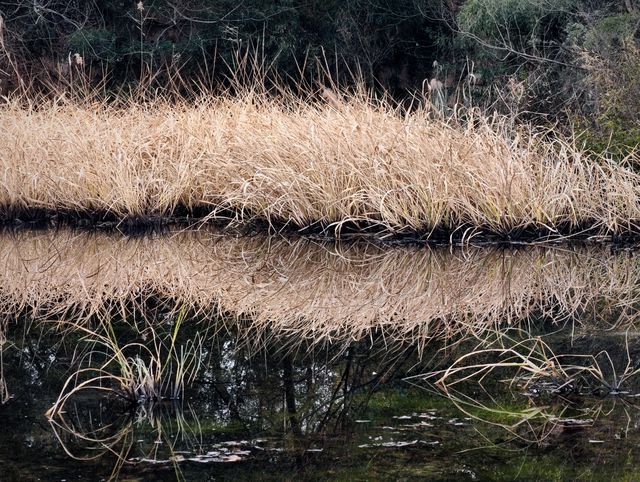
200 356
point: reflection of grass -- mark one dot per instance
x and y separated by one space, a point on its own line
148 375
532 364
548 385
310 290
163 429
344 460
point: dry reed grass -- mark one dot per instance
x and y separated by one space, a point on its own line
349 160
310 290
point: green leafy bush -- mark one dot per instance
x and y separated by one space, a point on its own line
610 55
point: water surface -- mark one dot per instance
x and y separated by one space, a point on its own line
313 361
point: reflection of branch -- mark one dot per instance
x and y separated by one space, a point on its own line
290 394
386 369
4 389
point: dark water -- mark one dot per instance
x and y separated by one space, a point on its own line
347 413
308 362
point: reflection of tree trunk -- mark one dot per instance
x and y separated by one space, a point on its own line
221 390
223 393
290 394
342 416
4 389
309 380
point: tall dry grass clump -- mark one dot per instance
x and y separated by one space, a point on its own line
328 163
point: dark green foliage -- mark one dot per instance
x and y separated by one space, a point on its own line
97 45
611 58
391 42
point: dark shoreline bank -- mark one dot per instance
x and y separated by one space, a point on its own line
238 223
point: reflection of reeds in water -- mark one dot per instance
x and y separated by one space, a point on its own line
166 429
542 392
305 396
313 290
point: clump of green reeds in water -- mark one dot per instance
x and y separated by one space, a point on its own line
139 373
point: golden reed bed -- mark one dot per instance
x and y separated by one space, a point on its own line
315 291
346 161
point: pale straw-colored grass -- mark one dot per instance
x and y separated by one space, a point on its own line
309 290
287 161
